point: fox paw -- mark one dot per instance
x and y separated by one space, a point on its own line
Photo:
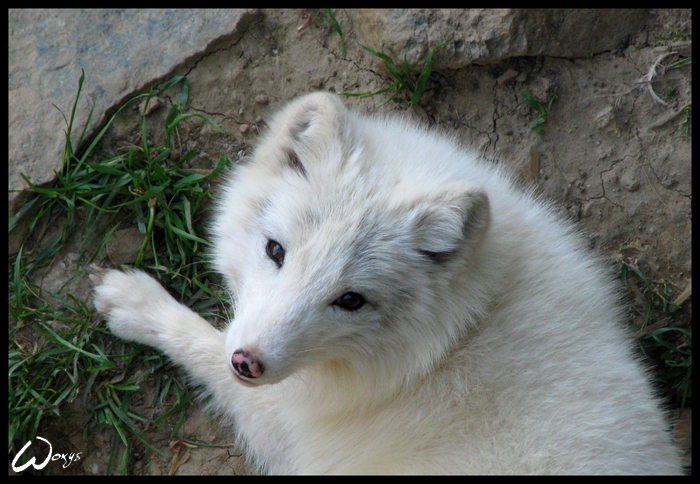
134 304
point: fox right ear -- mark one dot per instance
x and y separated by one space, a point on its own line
313 128
314 115
444 222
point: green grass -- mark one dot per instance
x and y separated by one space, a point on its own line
404 82
678 35
68 357
685 125
530 100
58 351
336 26
668 346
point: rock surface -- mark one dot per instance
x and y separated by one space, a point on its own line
486 36
124 51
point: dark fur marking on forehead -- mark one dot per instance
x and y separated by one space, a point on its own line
437 257
295 164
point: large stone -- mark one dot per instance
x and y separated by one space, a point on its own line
122 52
484 36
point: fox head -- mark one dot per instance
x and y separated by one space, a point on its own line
339 248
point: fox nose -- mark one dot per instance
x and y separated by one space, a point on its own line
245 365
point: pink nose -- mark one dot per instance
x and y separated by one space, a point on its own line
245 365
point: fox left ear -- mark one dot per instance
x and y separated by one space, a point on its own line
444 222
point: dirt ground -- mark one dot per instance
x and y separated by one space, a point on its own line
612 157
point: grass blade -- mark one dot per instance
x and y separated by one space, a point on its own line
424 75
337 28
531 101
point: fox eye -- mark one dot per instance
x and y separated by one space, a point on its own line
275 252
350 301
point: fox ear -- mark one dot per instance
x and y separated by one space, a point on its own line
446 221
307 130
319 112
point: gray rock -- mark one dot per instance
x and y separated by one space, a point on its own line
122 52
485 36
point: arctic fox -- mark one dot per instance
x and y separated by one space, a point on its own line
402 307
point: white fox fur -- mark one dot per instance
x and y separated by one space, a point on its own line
490 341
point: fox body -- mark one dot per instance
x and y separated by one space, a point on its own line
402 307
